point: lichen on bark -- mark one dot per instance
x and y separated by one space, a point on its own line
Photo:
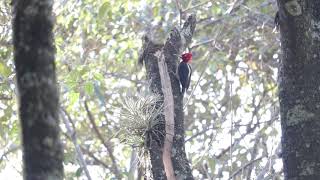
298 114
293 8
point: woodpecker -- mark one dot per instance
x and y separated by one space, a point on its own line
184 71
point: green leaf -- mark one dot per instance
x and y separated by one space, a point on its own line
212 164
213 67
156 10
89 88
99 77
236 101
78 172
4 70
189 133
104 9
73 97
72 78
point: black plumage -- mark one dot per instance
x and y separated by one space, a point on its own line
184 72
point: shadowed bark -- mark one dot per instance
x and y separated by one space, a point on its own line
38 95
155 140
178 40
299 88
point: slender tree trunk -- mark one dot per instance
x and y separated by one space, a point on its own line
38 95
178 40
299 92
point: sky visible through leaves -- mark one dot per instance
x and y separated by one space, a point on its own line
232 112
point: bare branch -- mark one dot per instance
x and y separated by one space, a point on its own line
100 137
203 43
244 167
178 5
269 164
5 97
198 82
196 6
89 153
11 149
235 5
72 134
96 159
121 76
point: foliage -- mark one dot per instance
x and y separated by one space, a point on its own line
236 55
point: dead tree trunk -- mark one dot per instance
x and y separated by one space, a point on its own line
299 93
178 40
38 95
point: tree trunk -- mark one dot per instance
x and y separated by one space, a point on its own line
38 95
299 82
155 140
178 40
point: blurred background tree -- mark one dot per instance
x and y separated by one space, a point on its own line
232 117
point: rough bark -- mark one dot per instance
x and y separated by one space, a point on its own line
178 40
175 44
154 140
38 94
299 84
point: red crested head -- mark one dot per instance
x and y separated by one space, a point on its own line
186 57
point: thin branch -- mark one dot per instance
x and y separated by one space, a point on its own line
231 125
244 167
269 164
72 134
251 17
69 117
200 133
234 126
203 43
11 149
211 20
120 76
236 141
198 82
178 5
89 153
100 137
96 159
235 5
5 97
196 6
253 153
206 63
